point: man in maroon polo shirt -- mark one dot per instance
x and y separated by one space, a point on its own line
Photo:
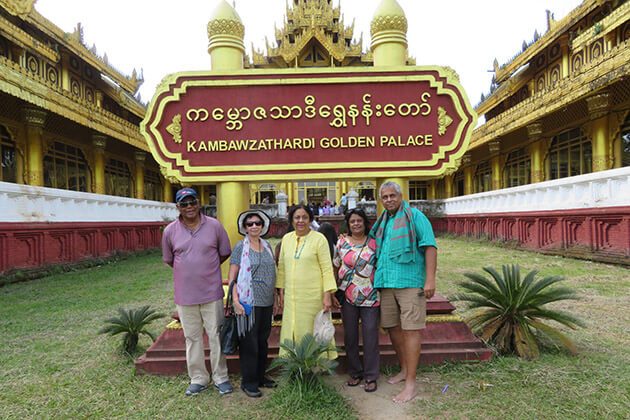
195 245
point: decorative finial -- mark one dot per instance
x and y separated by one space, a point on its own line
225 21
388 16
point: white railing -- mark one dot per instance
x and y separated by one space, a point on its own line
25 203
599 189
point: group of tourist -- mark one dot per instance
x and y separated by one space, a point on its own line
378 275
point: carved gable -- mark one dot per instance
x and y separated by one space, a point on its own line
313 34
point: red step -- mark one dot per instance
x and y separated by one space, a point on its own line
446 339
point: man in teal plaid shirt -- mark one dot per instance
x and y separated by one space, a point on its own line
405 274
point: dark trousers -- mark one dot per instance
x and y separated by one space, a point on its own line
253 349
369 328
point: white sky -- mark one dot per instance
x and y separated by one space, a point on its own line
167 36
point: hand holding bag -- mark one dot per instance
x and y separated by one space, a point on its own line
229 334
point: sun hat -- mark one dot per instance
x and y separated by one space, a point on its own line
263 216
185 192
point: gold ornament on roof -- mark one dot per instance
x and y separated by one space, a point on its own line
20 8
226 27
175 128
388 23
443 121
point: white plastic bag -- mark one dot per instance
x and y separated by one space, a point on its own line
323 328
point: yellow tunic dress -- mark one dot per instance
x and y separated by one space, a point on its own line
305 273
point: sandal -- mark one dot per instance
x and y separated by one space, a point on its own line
368 383
354 380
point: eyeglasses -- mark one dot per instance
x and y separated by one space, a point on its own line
185 204
256 223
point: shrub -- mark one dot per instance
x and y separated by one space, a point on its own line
131 323
510 310
303 363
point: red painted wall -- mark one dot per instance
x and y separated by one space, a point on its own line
605 231
25 245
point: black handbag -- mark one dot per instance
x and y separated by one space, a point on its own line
229 333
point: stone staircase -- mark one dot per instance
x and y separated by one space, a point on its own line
446 337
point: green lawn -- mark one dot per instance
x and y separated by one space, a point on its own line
55 365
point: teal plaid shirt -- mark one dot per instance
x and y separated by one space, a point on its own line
391 274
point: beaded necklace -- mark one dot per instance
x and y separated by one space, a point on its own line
297 254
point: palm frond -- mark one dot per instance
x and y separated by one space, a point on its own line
555 334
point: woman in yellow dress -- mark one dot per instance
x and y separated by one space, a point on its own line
305 277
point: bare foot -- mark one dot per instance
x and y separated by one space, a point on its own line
406 395
398 378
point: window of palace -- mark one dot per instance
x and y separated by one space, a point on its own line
483 177
7 153
152 186
117 178
625 142
316 191
570 154
267 191
458 184
366 189
517 169
417 190
65 167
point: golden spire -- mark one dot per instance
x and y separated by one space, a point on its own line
389 16
389 34
225 21
225 31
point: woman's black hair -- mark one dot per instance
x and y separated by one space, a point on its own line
249 216
296 208
328 230
359 212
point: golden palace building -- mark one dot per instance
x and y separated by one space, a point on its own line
548 168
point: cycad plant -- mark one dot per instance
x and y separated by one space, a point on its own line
131 323
303 363
511 309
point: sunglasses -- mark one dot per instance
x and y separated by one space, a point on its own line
256 223
185 204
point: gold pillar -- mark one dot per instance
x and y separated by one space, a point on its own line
225 38
404 186
431 189
204 197
598 105
168 191
601 156
99 142
34 119
495 163
289 193
389 35
534 133
232 200
448 179
537 162
65 71
564 48
494 147
469 187
140 158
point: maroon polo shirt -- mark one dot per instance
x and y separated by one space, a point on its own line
195 258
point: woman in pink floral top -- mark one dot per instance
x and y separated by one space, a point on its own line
355 258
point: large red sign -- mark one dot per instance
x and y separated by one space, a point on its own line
308 124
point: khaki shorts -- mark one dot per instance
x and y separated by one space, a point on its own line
404 307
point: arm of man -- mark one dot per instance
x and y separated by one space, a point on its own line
167 248
426 241
430 263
